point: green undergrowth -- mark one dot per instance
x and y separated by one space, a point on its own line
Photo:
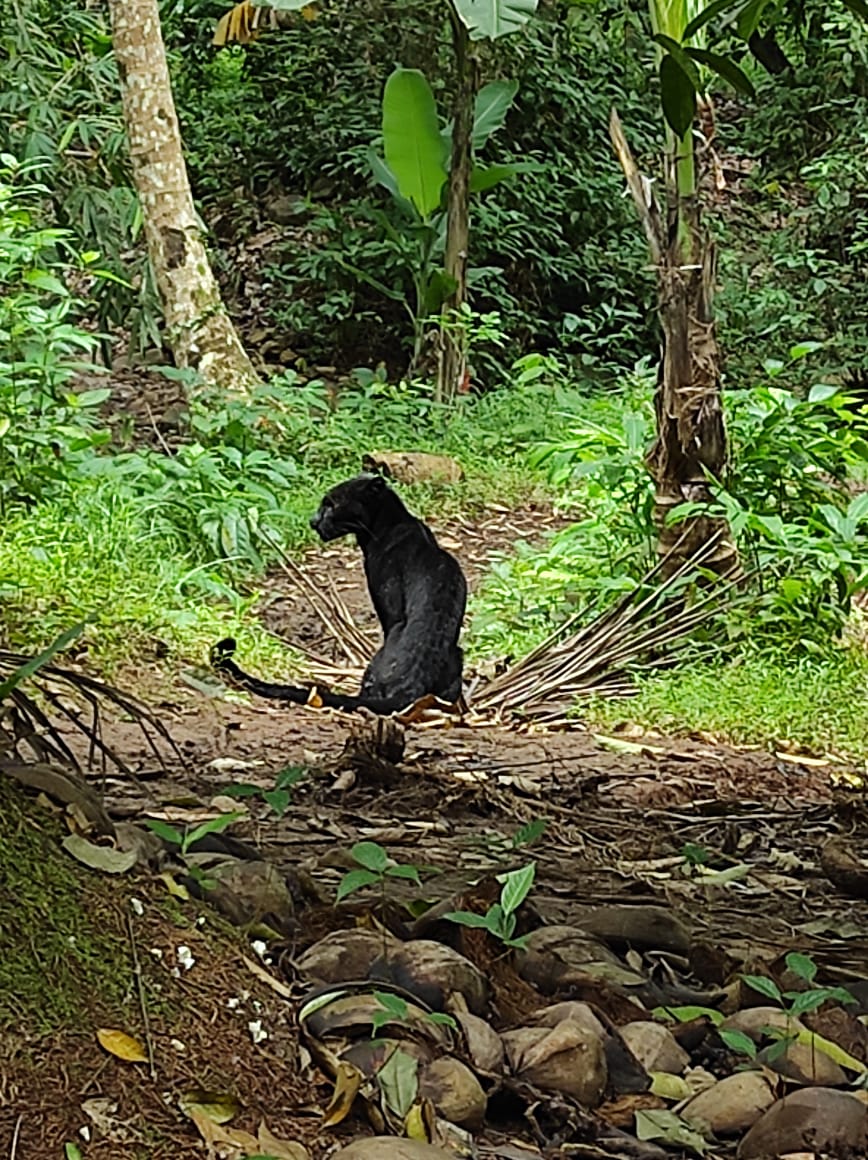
151 564
64 959
819 704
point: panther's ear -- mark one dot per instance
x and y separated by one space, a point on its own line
377 483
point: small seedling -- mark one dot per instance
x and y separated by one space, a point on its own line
394 1007
187 838
500 919
280 797
375 866
527 834
794 1003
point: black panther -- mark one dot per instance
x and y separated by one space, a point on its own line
419 594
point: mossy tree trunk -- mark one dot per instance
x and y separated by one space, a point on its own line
200 332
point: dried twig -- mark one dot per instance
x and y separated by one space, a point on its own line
143 1004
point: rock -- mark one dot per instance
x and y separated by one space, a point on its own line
250 892
567 1058
838 1026
342 956
752 1021
803 1063
483 1043
655 1047
732 1104
432 972
641 926
815 1120
555 957
455 1092
571 1009
414 466
391 1148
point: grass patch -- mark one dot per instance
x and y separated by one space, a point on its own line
819 704
63 961
134 551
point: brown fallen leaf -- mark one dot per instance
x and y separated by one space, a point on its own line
120 1044
213 1133
348 1080
277 1149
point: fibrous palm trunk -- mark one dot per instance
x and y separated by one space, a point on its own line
452 363
200 333
690 445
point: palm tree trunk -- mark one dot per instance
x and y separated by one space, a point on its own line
452 362
690 444
200 333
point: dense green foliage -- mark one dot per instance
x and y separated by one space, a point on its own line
161 549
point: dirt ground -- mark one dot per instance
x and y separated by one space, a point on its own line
621 811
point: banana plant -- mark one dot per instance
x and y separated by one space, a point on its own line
415 169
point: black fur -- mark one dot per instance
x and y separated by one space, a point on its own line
419 594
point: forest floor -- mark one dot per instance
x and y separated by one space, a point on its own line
621 812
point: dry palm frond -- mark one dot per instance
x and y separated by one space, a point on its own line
329 606
74 697
644 629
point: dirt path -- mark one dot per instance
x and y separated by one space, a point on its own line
727 840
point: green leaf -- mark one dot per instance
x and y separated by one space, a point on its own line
516 887
371 855
803 1001
468 918
394 1004
678 96
291 776
749 18
802 966
397 1080
242 790
527 834
491 19
415 151
92 398
440 286
822 392
726 68
808 346
165 831
409 872
71 1151
708 14
767 987
680 55
661 1124
278 799
441 1019
689 1013
484 177
212 826
35 663
493 102
738 1041
355 880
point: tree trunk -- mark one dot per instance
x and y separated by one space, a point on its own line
200 333
452 363
690 443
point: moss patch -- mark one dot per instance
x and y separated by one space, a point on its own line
64 957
